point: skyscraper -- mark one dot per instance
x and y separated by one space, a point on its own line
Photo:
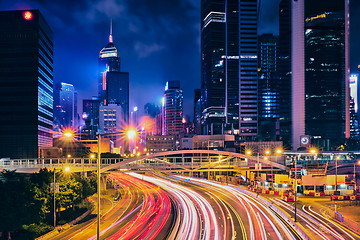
111 120
113 85
91 114
284 70
173 108
320 70
229 67
354 119
26 78
268 88
197 111
64 106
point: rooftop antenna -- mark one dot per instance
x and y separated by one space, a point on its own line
110 36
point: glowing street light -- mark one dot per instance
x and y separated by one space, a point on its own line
313 150
131 134
68 134
279 151
267 152
248 152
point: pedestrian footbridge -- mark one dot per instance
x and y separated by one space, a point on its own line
182 160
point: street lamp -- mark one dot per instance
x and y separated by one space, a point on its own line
249 152
68 135
67 169
336 171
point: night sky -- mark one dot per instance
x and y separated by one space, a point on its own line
157 41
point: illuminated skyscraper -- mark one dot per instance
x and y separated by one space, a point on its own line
64 103
173 108
229 67
269 88
113 84
320 70
26 79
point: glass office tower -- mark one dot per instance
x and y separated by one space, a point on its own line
26 78
229 67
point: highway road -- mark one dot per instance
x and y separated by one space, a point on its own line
160 206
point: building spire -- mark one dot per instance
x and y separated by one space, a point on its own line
110 36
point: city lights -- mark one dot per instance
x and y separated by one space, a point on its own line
27 15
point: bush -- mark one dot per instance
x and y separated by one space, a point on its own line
36 230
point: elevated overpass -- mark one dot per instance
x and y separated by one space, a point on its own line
182 160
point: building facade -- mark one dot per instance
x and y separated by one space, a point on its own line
173 108
113 85
26 78
64 106
160 143
111 120
268 88
320 70
229 67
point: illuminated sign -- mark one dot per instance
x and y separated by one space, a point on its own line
167 86
27 15
316 17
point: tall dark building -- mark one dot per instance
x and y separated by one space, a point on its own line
173 108
229 67
268 88
64 103
113 84
91 114
26 78
320 67
197 111
284 70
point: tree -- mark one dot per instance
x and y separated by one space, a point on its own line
18 203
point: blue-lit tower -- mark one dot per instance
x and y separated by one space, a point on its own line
26 79
64 103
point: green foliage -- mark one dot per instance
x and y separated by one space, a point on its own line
25 199
18 203
35 230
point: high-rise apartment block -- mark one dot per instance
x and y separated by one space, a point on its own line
26 78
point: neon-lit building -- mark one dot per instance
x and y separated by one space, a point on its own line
113 85
26 79
320 70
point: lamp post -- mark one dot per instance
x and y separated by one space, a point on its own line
249 152
336 172
131 133
67 169
295 186
355 163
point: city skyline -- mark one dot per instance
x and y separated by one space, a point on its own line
140 45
